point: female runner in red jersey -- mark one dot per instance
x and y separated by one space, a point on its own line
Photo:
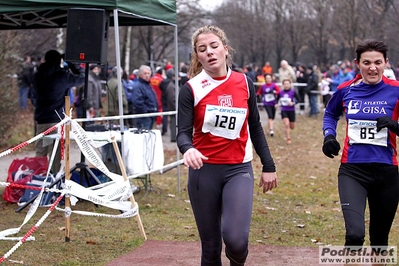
218 121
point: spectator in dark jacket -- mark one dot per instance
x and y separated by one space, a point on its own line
94 87
312 90
52 84
251 73
163 86
170 95
144 98
25 80
128 87
183 77
301 77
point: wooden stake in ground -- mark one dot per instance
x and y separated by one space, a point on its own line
67 170
123 171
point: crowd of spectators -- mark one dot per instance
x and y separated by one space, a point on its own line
313 85
329 77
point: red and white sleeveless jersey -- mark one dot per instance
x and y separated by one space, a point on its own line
220 118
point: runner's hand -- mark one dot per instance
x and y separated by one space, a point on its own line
268 181
193 158
331 146
386 121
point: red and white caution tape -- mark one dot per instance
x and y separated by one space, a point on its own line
37 137
32 230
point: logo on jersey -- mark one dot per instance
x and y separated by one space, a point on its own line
371 107
354 106
205 83
225 100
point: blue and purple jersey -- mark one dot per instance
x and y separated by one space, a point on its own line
362 104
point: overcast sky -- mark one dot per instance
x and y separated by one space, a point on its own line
210 4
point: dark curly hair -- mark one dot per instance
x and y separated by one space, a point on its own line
371 45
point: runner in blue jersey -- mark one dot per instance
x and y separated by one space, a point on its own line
369 166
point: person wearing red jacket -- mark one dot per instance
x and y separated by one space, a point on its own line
154 82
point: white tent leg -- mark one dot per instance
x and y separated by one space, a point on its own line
119 75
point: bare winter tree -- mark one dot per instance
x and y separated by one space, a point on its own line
297 27
233 18
320 30
9 57
392 31
264 29
349 26
154 45
317 31
306 30
36 42
279 29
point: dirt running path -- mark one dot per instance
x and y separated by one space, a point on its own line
175 253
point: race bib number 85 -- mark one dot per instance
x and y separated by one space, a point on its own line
365 132
223 121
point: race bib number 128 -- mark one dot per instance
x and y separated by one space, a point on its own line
223 121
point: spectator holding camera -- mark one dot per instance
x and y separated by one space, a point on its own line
52 83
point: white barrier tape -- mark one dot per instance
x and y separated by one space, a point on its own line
159 169
67 210
75 189
50 164
127 214
165 167
107 118
127 195
112 190
31 238
107 187
89 195
84 143
79 191
73 200
32 230
33 208
28 216
55 190
119 191
39 136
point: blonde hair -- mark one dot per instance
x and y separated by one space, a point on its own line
195 65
